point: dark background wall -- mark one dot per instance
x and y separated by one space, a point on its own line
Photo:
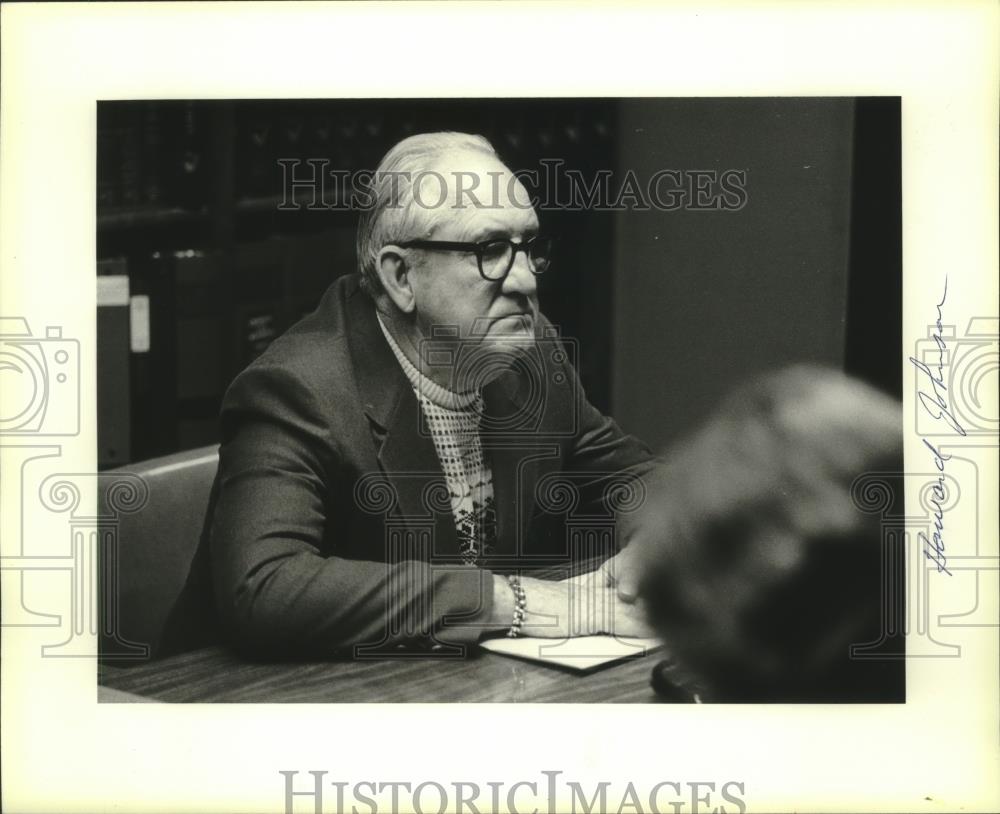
667 309
808 270
704 299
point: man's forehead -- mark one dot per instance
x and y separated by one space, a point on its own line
483 196
471 172
476 224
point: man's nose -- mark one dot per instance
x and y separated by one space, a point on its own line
520 279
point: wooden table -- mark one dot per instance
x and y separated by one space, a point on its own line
217 674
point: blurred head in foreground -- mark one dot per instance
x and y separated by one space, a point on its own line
760 570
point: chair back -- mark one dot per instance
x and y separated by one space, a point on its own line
153 548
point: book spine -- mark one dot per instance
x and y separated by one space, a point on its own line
152 154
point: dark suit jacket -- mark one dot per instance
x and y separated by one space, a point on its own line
329 526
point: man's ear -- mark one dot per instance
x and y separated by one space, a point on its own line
394 272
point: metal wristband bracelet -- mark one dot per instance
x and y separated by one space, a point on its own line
520 603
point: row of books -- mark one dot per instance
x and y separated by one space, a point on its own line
353 136
175 327
152 154
168 153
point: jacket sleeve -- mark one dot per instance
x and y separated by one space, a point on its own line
275 589
610 465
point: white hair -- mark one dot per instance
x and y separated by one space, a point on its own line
392 216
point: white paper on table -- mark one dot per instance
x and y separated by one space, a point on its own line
577 653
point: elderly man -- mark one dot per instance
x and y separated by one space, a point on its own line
391 466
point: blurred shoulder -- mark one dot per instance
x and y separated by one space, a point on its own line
314 355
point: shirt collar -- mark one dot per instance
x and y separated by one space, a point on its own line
423 385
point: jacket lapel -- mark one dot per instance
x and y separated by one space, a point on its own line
516 462
403 444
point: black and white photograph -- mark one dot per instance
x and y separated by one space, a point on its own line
472 407
603 385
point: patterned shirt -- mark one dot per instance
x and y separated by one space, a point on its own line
454 423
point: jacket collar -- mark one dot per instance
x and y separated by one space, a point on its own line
383 386
380 380
405 449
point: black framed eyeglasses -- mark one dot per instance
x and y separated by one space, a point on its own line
496 256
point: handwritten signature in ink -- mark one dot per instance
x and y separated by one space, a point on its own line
938 407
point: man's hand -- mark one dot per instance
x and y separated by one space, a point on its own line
622 572
596 597
584 605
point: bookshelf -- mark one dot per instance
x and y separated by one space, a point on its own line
188 210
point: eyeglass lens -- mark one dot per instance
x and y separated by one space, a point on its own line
498 256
